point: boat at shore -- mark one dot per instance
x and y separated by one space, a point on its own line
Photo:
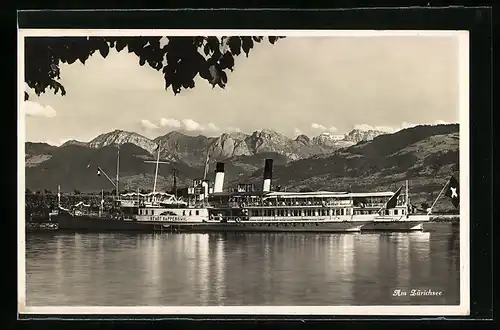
244 209
40 221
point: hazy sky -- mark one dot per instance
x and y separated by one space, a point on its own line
299 85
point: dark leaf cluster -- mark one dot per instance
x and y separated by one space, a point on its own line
180 59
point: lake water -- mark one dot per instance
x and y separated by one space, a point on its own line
168 269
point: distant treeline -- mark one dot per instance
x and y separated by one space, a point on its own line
75 192
46 200
80 193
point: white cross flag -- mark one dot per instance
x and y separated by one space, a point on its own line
453 191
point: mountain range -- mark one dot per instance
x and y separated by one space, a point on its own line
192 150
360 160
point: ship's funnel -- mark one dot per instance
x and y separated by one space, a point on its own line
204 184
219 177
268 175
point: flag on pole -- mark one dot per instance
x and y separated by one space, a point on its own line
453 191
392 202
207 161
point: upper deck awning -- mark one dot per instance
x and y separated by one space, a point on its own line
239 194
304 195
328 194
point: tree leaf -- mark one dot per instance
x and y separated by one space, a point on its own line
214 74
247 44
227 61
223 77
198 41
205 72
120 44
206 49
213 43
167 81
235 45
104 49
176 88
71 59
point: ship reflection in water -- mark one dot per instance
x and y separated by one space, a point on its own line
241 269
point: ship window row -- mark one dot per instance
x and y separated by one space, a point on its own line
257 201
152 212
299 213
315 212
190 213
272 204
243 203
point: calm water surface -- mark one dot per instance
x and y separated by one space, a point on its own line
240 269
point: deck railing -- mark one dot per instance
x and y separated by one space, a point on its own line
279 205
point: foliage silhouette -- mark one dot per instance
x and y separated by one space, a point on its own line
180 60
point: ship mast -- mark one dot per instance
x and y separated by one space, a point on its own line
205 184
157 162
58 196
101 208
156 170
206 166
118 173
174 173
351 199
407 203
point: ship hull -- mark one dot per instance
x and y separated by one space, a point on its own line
344 227
93 223
401 224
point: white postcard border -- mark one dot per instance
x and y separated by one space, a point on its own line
434 310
